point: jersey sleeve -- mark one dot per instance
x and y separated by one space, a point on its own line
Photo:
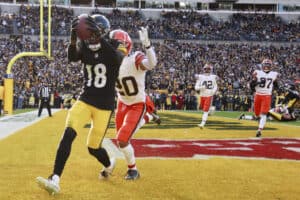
139 57
74 52
215 88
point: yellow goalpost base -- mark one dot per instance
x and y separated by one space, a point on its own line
8 81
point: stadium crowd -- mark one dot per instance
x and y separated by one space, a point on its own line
188 25
171 83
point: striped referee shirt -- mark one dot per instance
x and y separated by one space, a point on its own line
45 92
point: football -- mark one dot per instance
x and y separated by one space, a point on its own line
82 30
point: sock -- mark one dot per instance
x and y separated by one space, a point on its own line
128 152
55 178
148 117
64 150
204 118
262 121
101 155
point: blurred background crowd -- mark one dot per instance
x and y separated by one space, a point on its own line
183 41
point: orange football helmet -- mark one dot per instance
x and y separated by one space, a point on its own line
122 37
266 65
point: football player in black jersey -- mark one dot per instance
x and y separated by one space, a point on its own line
101 62
286 110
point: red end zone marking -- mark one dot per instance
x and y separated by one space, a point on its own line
265 148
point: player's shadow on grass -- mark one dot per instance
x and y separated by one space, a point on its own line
174 120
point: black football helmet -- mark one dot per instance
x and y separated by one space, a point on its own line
100 26
290 85
102 23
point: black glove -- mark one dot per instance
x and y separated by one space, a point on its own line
73 31
253 83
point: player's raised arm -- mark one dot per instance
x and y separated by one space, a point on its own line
150 61
198 85
215 85
73 50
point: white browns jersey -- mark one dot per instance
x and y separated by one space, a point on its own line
207 84
130 84
265 81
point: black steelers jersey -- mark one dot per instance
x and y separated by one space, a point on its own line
100 70
291 98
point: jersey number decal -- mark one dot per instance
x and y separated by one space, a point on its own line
263 82
127 86
96 77
208 84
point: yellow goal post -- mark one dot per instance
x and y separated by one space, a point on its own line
8 80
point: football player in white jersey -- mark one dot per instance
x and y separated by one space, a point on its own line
130 87
263 82
207 85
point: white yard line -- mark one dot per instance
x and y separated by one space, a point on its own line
13 123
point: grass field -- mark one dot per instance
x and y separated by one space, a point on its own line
30 153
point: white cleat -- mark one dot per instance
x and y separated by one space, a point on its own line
201 126
106 172
49 185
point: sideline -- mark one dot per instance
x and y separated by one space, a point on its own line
13 123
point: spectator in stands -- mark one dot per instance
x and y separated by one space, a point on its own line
1 95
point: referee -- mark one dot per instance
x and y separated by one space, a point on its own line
44 99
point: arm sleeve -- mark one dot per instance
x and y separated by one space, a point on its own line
275 85
150 61
215 88
253 83
198 85
73 53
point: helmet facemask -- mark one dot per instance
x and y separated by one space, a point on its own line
266 65
93 43
207 68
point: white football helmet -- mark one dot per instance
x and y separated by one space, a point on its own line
208 68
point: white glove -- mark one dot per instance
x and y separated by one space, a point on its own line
144 38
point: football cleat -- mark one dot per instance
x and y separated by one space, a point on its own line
50 185
156 119
132 174
201 125
242 116
258 133
106 172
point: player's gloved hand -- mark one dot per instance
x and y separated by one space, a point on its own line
144 38
73 31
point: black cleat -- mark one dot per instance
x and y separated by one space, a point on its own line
258 133
132 174
156 119
242 116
